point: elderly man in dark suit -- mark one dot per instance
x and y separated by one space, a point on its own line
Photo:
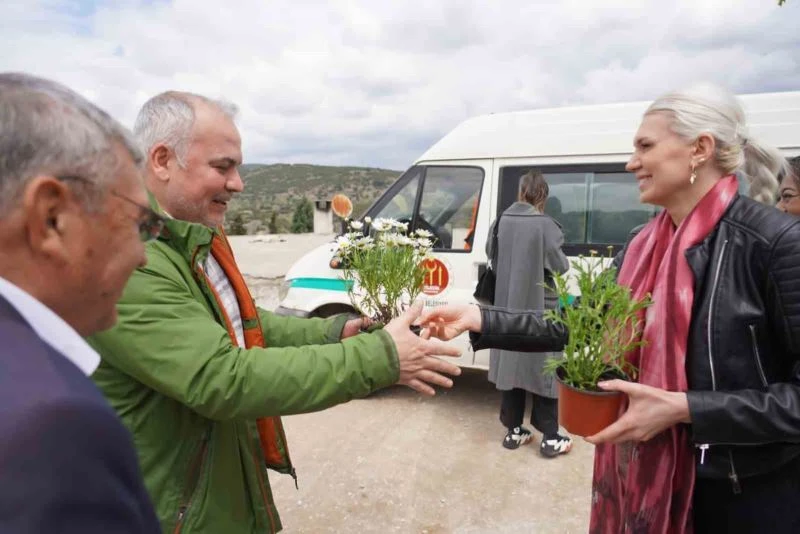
73 215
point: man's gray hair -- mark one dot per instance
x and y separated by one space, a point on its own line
47 129
167 119
709 109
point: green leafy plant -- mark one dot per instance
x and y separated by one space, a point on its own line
273 222
385 266
303 217
236 226
603 324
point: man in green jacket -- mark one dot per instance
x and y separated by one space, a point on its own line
200 375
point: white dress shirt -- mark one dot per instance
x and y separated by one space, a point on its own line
51 328
224 288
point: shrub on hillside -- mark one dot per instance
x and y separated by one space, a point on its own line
303 218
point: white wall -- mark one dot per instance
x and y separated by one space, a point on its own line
323 220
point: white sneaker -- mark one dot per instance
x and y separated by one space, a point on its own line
519 435
550 448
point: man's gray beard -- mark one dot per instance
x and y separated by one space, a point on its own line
187 206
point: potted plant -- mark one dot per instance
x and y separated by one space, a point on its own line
604 324
383 264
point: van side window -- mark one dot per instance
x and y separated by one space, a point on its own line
596 206
614 208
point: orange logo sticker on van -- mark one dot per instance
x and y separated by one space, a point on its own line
436 277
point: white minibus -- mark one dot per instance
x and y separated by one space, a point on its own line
458 187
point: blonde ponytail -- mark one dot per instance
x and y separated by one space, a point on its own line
762 167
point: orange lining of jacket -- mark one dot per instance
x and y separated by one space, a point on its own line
268 427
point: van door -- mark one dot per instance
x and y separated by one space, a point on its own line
450 200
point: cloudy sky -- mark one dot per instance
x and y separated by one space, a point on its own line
375 82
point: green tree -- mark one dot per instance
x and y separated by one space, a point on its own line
284 223
273 223
303 218
236 226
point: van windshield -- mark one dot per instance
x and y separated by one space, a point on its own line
446 205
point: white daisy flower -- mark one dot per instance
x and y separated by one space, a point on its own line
388 239
363 241
382 225
343 242
424 242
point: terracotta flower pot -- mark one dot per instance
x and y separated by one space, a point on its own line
585 413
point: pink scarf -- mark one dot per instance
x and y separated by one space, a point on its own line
647 487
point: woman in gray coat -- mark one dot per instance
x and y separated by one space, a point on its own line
529 248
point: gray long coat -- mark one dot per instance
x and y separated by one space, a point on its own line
529 243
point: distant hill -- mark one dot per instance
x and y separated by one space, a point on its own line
278 188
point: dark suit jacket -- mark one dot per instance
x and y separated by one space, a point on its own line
67 464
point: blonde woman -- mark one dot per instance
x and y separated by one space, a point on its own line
710 441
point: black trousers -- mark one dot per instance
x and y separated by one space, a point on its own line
768 503
544 412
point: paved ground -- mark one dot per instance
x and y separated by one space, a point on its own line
270 256
398 462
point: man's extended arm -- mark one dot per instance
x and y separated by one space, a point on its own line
169 340
287 331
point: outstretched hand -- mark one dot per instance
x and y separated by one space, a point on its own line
419 368
355 326
447 322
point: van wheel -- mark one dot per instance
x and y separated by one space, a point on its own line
331 309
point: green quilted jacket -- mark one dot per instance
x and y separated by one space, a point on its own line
190 397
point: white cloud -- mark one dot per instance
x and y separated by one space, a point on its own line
375 82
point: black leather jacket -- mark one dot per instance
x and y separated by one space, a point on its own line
743 357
